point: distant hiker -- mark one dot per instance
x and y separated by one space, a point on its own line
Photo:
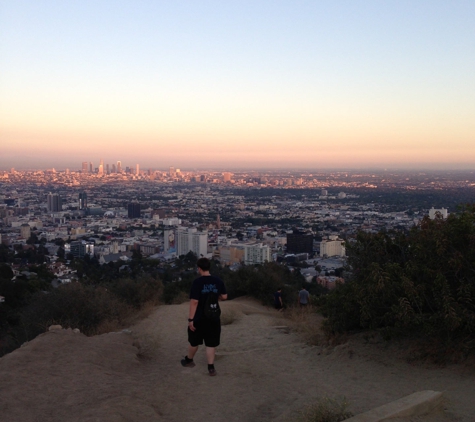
204 322
278 304
303 297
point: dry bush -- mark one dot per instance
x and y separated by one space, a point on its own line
108 326
181 297
326 410
140 314
307 322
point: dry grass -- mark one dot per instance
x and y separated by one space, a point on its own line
138 315
307 322
325 410
108 326
180 298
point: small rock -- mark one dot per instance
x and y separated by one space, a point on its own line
77 331
55 327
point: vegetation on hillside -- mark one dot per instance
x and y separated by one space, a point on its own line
420 283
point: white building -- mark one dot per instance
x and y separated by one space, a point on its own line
332 247
256 254
171 221
190 239
433 212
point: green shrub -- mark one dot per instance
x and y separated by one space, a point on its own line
422 282
136 292
73 306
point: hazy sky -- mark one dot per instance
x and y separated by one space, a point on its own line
311 84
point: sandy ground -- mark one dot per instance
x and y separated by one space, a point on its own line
266 372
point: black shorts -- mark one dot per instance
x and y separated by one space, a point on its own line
208 331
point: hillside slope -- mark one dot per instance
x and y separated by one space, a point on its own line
265 372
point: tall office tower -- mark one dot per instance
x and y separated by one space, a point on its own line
119 167
256 254
137 170
133 210
101 167
299 242
91 169
84 167
227 177
54 202
82 200
113 170
332 247
107 169
189 239
171 172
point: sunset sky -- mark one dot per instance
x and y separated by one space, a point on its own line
238 84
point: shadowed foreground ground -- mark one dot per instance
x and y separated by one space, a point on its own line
265 373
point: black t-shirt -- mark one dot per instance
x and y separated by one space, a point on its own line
200 289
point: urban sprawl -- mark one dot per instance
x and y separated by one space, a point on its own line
299 218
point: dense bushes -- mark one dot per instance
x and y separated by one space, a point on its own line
261 281
76 305
258 281
421 282
135 292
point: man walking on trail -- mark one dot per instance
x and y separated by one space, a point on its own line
303 297
204 323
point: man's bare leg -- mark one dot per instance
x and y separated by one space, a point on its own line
191 351
210 354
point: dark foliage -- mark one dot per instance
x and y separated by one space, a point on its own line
135 292
422 282
258 281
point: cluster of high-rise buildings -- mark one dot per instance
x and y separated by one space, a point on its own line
88 168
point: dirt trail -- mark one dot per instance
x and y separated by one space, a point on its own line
265 373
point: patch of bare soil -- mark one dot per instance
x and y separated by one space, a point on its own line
266 372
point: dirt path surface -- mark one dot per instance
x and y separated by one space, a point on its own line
265 373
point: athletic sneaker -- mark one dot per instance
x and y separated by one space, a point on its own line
212 372
187 363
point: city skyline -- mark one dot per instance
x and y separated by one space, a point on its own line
270 85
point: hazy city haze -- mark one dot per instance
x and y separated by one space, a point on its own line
238 84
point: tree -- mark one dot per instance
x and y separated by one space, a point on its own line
60 253
6 273
421 282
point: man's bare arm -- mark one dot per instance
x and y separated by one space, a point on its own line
191 314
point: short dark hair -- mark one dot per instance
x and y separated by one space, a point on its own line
204 264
